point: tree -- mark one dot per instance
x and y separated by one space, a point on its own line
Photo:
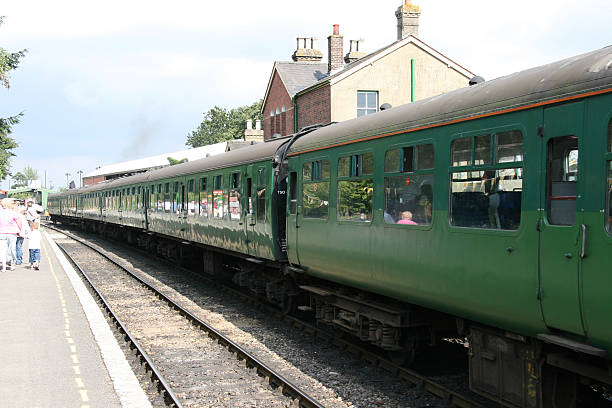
23 178
174 161
8 62
220 124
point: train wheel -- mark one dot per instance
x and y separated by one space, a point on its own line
405 356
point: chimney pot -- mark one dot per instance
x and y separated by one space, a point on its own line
249 124
258 124
336 29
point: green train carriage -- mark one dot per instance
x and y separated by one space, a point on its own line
503 194
516 173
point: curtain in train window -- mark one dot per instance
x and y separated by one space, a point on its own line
486 181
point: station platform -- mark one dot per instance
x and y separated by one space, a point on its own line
56 347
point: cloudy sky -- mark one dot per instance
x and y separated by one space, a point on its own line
118 80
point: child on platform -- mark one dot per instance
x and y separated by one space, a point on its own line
34 245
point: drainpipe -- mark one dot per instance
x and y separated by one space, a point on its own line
412 82
295 118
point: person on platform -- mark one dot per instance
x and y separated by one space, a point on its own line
10 226
23 233
33 211
34 245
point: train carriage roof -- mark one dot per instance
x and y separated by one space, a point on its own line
245 155
566 79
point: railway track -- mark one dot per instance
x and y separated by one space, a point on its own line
418 382
289 394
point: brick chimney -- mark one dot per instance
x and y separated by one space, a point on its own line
334 46
305 51
354 54
407 20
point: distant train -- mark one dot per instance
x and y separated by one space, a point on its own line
485 211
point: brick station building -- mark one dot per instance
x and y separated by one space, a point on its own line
306 91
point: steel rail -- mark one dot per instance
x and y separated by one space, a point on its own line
163 387
274 378
451 398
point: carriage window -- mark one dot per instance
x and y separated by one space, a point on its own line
356 165
234 205
392 158
218 204
409 197
486 195
261 177
261 204
235 180
167 201
355 200
315 170
204 203
461 152
562 177
191 197
509 147
425 157
355 196
482 151
315 191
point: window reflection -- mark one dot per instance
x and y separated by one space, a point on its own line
355 200
315 198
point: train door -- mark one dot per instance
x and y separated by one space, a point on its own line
562 230
596 276
293 211
249 211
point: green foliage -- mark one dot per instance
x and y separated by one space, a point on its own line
23 178
355 199
7 144
220 124
8 62
174 161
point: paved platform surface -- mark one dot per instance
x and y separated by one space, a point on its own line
51 355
